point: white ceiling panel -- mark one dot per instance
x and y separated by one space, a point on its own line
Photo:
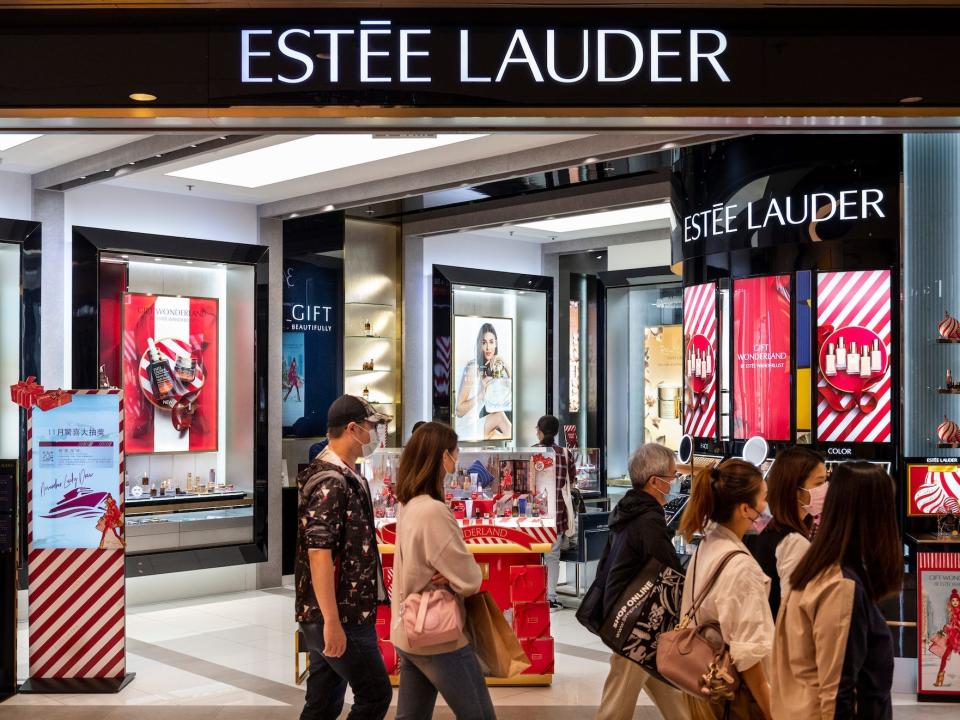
47 151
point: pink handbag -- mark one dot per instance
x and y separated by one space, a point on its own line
938 645
431 617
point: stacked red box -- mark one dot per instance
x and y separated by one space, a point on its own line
383 622
390 658
531 616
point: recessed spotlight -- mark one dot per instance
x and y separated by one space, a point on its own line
326 208
599 257
132 163
483 289
189 262
590 160
158 156
142 97
125 256
668 146
521 292
221 264
294 215
912 99
158 259
223 137
83 177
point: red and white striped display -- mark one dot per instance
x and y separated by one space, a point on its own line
77 602
858 301
700 343
183 328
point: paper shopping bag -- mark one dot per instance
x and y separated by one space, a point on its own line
494 641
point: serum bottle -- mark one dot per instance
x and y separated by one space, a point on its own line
708 369
841 355
853 360
875 365
865 363
831 368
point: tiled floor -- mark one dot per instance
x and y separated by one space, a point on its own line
232 657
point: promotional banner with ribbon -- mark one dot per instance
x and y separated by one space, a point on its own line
700 360
854 344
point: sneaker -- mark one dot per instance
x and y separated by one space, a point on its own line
555 605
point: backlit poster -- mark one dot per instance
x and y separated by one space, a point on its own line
700 360
933 489
313 344
854 349
938 624
170 372
483 369
76 449
663 375
761 357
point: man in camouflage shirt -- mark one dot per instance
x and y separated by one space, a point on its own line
339 578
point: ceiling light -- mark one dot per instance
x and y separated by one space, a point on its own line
591 160
83 177
310 156
125 256
9 140
189 262
668 146
142 97
294 215
912 99
624 216
158 260
599 257
326 208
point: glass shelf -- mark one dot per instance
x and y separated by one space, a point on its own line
368 337
364 372
374 305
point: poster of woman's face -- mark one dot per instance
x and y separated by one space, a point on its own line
483 373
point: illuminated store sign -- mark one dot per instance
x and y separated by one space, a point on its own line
385 53
804 210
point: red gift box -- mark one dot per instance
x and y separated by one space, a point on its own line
390 658
528 584
531 620
383 622
540 654
26 392
53 399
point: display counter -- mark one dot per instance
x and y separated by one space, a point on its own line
188 520
505 504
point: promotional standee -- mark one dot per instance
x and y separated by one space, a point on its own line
75 537
505 504
701 368
938 626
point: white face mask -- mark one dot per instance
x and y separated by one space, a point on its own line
370 447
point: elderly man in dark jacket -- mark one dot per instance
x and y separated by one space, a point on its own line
639 518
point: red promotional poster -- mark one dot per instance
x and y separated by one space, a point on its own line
170 373
700 360
854 345
761 357
933 490
938 625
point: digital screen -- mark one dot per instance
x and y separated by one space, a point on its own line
933 489
854 340
700 360
761 358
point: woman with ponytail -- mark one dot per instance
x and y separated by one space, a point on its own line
725 502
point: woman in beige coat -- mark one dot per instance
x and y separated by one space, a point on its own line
430 552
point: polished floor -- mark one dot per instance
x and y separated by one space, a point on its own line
232 657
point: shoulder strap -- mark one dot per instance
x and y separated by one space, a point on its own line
702 595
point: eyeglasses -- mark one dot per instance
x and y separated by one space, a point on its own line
675 476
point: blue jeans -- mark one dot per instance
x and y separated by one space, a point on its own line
455 675
361 667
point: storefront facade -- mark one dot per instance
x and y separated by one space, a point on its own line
391 302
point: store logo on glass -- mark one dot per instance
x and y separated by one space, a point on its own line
811 210
381 52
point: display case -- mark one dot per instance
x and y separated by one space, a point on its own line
505 503
174 323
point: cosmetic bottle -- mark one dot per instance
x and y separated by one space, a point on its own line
366 392
875 364
841 355
853 360
159 375
865 363
699 367
949 380
831 362
190 487
708 369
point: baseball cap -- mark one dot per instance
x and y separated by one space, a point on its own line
350 408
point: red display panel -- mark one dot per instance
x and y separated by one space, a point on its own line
171 392
700 360
761 357
933 489
938 625
853 313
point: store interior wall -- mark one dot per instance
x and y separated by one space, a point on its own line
10 347
420 255
15 196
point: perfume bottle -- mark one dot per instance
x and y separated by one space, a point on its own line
145 481
366 392
831 360
159 375
211 485
153 490
698 367
708 365
853 360
163 487
185 368
949 385
213 478
692 362
103 381
841 355
875 364
367 328
865 363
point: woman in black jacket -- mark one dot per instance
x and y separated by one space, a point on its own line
639 532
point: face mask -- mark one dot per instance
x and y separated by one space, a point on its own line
762 520
370 447
817 497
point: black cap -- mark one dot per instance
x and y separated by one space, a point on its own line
349 408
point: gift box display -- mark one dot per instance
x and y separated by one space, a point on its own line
531 620
26 392
539 652
390 658
383 622
528 584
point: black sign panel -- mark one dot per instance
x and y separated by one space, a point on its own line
766 190
473 57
